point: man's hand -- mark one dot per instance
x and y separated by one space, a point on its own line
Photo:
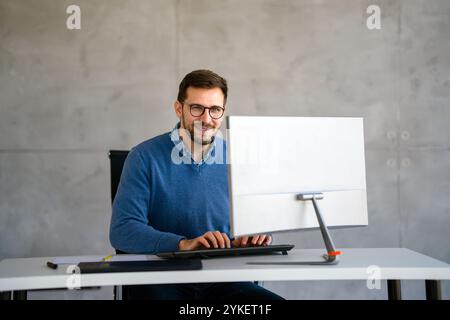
256 240
211 239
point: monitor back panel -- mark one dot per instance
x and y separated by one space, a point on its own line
272 159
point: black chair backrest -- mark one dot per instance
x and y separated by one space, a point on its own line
117 159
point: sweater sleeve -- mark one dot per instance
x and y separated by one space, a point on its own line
130 230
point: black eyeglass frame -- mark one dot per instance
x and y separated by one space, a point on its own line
204 108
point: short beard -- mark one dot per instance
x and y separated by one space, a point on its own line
193 137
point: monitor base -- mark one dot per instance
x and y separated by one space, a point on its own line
326 262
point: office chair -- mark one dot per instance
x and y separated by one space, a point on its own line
117 160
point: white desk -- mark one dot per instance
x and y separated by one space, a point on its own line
20 275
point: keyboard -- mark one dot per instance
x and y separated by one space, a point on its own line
227 252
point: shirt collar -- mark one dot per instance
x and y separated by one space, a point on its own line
185 153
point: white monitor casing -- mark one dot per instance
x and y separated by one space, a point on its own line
272 159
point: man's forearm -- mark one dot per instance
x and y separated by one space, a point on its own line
136 237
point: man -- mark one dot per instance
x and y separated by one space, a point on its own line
173 194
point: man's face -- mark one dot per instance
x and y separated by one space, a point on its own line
201 128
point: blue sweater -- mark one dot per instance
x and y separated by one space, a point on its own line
160 201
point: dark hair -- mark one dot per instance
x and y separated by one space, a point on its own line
202 79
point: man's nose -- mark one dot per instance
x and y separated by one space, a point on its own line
205 117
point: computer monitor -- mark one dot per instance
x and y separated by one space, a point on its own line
277 164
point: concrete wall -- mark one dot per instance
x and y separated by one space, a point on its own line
67 96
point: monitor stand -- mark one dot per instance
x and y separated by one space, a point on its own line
332 256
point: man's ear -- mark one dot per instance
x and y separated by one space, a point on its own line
178 107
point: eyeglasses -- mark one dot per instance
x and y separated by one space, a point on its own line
197 110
